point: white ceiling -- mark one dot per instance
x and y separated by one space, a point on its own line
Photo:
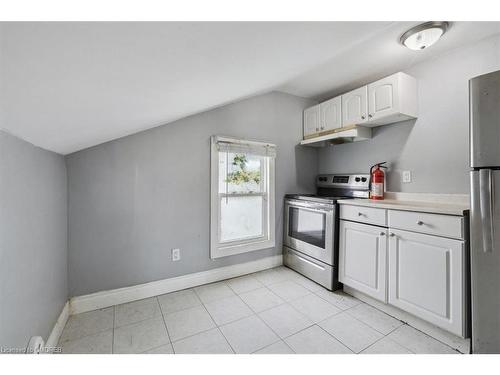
68 86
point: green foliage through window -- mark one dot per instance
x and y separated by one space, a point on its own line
242 175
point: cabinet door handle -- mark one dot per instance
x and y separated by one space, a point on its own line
382 233
370 116
362 117
420 222
322 127
360 214
392 234
317 129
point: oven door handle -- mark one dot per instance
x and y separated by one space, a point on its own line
310 206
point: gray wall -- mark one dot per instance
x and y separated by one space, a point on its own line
134 199
435 147
33 240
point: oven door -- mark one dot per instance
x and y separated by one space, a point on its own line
309 228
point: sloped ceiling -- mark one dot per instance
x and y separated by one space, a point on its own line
69 86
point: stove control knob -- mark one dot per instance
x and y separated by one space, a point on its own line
357 179
363 179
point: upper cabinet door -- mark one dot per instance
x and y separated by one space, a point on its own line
331 114
355 107
392 99
383 98
311 121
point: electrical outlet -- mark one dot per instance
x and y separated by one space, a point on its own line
176 255
406 176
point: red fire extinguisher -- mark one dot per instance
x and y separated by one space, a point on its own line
377 181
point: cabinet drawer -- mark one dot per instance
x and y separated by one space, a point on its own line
361 214
439 225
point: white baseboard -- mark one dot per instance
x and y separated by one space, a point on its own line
113 297
456 342
58 327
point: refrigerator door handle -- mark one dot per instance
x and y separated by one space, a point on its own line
486 200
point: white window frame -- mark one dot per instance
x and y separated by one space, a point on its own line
220 249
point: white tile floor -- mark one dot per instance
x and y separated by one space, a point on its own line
273 311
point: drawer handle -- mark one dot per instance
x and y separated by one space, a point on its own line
420 222
392 234
360 214
382 233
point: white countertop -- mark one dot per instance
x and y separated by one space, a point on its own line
433 203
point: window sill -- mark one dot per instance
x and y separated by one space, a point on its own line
224 251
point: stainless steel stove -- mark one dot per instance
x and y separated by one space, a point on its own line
311 226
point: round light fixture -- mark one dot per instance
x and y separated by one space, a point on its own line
424 35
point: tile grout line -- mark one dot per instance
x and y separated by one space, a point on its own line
254 313
336 339
165 324
138 321
368 325
394 329
360 321
333 304
383 337
422 332
156 347
251 275
385 334
213 320
91 334
267 346
262 320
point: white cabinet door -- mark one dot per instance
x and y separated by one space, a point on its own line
383 98
362 258
311 120
392 99
426 278
355 107
331 114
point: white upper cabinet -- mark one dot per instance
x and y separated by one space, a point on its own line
331 114
311 120
355 107
426 278
392 99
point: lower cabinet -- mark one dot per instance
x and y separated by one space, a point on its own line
420 273
426 278
362 258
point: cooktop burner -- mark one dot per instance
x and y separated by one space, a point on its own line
332 187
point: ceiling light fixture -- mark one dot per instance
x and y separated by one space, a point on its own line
424 35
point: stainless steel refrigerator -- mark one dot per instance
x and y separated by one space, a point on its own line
484 97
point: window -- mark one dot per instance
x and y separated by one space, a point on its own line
242 196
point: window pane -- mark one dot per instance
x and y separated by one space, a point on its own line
307 226
240 173
241 218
